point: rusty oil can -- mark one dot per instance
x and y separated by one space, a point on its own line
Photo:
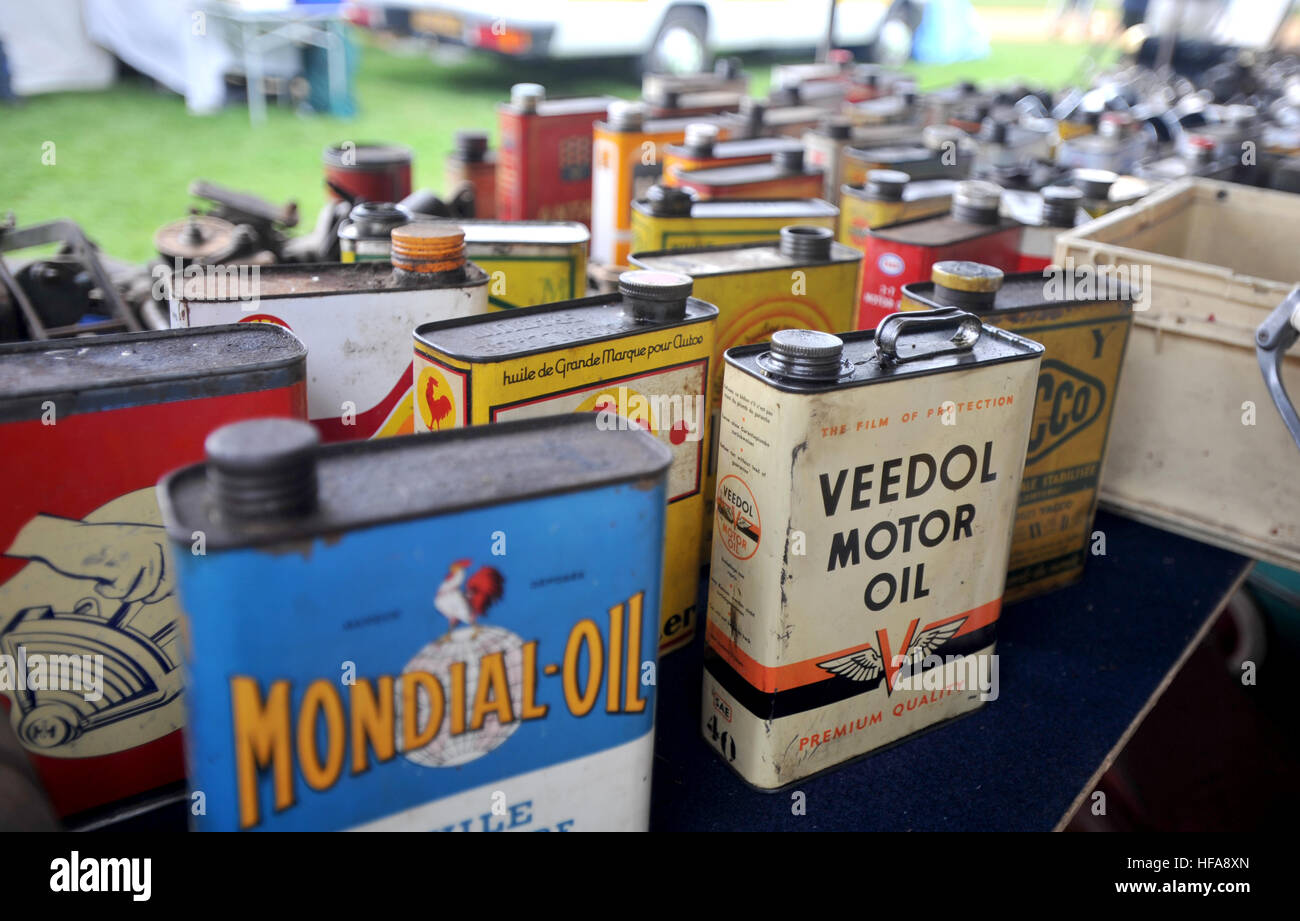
356 322
673 218
1085 341
627 159
642 357
859 540
86 428
493 648
803 280
544 163
900 254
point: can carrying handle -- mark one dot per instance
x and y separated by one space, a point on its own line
1274 336
966 329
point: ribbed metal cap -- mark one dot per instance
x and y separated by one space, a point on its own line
526 96
1095 183
976 201
376 218
669 201
935 137
887 184
804 354
471 145
836 127
961 275
625 115
262 469
806 244
1061 205
429 247
791 160
701 136
654 296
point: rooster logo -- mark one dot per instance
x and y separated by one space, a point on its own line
436 399
463 600
868 664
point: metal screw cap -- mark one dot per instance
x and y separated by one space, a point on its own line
655 296
806 244
263 468
526 96
960 275
805 354
666 200
887 184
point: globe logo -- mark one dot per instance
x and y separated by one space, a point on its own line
468 645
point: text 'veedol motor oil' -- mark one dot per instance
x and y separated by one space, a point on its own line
1084 339
866 493
90 659
672 218
803 280
641 358
544 164
355 320
449 631
899 254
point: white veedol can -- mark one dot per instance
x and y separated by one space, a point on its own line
866 492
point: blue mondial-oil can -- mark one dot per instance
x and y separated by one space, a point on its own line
454 631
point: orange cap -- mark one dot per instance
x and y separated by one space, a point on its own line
428 247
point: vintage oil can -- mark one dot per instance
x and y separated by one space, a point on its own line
368 172
422 633
804 280
702 149
889 197
784 176
354 320
473 164
642 357
86 582
673 218
627 159
859 540
544 164
943 153
900 254
678 95
1084 342
528 262
1060 207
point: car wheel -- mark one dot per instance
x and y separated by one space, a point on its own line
893 44
681 45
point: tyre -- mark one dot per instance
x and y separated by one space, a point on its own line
893 42
681 46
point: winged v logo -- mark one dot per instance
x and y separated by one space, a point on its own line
868 664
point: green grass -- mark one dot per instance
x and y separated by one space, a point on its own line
124 158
